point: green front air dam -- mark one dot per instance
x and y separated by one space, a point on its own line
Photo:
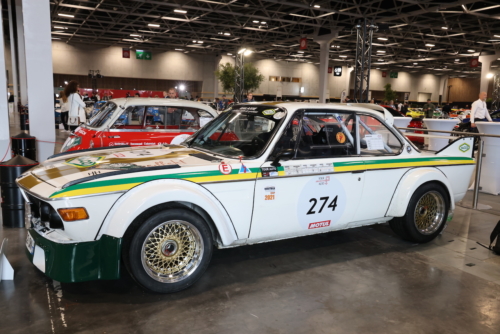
83 261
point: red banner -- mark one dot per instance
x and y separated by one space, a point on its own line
303 43
384 74
329 70
125 53
474 62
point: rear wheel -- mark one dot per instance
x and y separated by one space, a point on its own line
170 251
425 216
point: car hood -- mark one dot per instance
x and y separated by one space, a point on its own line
121 169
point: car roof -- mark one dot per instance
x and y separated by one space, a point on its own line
156 101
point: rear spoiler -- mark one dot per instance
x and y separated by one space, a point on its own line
461 147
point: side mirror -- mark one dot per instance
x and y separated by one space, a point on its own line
283 155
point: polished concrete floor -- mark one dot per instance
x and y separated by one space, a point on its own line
363 280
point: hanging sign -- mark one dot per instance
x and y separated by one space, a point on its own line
337 71
303 43
474 62
329 69
384 74
394 75
141 54
125 53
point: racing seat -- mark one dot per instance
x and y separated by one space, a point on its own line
326 142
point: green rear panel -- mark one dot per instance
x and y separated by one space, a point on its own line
78 262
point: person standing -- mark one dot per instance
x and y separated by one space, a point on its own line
447 110
428 109
479 111
404 108
64 111
174 115
76 107
249 98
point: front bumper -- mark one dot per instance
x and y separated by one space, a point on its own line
75 261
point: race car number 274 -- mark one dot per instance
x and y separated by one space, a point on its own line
321 202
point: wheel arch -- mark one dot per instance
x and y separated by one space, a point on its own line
144 200
410 182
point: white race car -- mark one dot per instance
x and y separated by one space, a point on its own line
260 172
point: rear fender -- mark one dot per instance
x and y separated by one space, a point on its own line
410 181
149 194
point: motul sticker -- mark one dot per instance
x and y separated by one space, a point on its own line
325 223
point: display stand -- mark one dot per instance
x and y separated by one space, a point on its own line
490 178
436 144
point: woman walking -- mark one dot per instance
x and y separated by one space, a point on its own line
64 111
76 106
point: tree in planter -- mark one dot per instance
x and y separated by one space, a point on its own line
226 75
389 94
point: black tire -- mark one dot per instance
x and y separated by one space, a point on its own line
157 252
428 209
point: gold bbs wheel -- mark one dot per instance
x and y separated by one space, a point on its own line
172 251
430 212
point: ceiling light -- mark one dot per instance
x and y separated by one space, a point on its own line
343 56
415 63
247 52
194 41
471 50
66 15
131 40
382 38
56 27
300 51
489 75
255 21
180 11
135 35
335 46
431 45
445 28
227 34
496 35
457 59
380 60
153 25
200 42
317 6
378 68
229 54
242 50
179 49
380 51
263 22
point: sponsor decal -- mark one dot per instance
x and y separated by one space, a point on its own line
119 166
323 180
309 169
225 168
270 193
340 136
244 169
325 223
279 115
269 171
84 161
268 112
464 147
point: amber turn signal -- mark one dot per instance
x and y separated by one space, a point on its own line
72 214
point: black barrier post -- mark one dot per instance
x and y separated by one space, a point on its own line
24 120
12 200
25 145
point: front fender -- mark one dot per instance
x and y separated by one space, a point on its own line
410 181
149 194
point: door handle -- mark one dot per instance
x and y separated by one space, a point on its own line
358 171
113 136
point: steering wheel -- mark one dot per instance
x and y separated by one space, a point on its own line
256 141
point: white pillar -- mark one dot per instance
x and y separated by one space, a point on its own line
324 53
13 57
348 81
38 43
485 69
23 85
4 106
216 81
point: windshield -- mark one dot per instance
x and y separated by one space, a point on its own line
103 115
245 131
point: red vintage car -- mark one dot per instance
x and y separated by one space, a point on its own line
140 122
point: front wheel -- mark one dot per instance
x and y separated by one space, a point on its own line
425 216
170 251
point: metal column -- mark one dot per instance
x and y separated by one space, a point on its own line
495 105
363 60
13 57
21 53
4 106
239 77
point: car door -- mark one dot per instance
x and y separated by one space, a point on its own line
383 155
127 128
319 189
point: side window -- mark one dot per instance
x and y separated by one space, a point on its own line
289 137
174 117
376 138
131 118
155 117
327 134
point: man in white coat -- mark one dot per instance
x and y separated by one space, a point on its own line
479 111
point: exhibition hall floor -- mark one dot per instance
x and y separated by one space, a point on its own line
363 280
